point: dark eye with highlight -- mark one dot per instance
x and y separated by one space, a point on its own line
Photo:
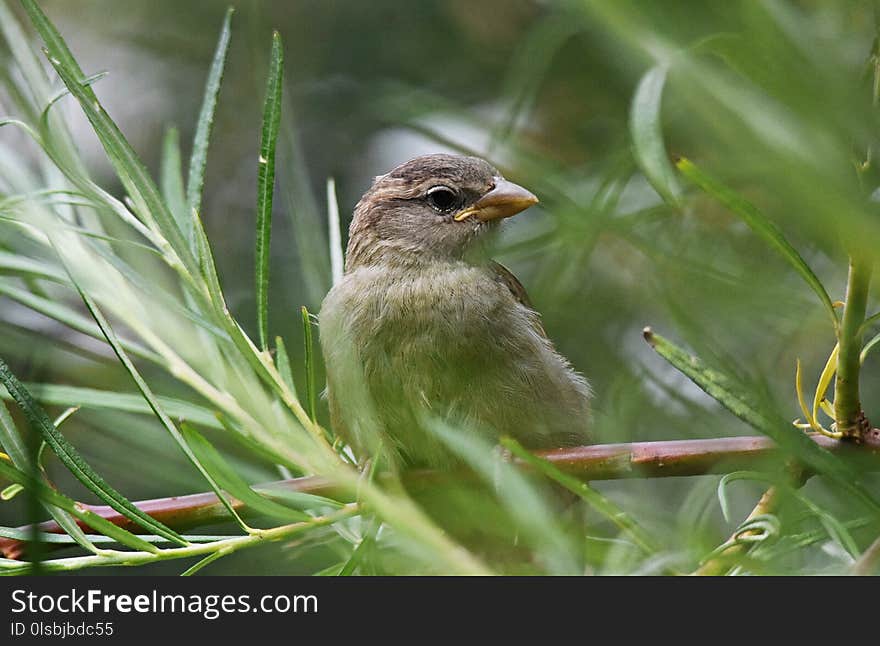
443 199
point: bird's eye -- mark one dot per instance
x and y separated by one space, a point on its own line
442 198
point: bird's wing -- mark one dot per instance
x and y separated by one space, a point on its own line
506 277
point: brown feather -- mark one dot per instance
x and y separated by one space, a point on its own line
506 278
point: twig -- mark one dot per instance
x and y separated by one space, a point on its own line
597 462
214 549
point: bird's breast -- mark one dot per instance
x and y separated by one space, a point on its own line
451 340
428 326
451 303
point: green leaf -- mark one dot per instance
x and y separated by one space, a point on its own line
586 493
24 266
368 539
36 82
21 49
522 499
74 461
839 534
789 438
45 128
207 266
146 284
203 562
11 440
301 207
51 497
90 398
129 168
732 477
835 529
154 404
235 484
647 135
87 233
308 343
266 183
337 264
201 140
299 499
13 443
761 225
871 320
868 347
283 362
331 570
70 317
10 492
171 180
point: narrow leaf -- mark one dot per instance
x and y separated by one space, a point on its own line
839 534
11 492
732 477
171 180
337 265
90 398
266 184
868 347
199 158
12 441
784 434
74 461
357 556
586 493
70 317
311 396
21 49
203 562
871 320
761 225
129 168
647 134
825 380
51 497
148 395
523 500
283 362
229 480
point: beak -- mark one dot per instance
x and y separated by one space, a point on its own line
505 199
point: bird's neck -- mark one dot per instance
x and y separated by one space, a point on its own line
370 251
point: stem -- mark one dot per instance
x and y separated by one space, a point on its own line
201 549
848 413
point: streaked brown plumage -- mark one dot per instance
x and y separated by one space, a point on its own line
424 323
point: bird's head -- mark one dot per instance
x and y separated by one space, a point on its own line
435 206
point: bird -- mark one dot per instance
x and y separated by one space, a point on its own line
424 325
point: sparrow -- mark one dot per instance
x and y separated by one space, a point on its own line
425 325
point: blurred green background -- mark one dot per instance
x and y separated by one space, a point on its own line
773 97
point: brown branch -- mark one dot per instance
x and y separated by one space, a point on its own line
596 462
